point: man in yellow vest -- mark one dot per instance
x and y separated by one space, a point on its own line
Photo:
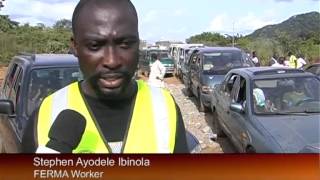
122 115
292 60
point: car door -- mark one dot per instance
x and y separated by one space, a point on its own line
10 127
238 120
193 74
187 74
15 97
224 100
195 78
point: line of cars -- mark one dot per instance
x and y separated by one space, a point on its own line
260 109
206 67
29 79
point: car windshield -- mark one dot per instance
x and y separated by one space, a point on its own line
286 95
44 82
166 61
162 54
221 62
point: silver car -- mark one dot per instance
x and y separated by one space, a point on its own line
269 110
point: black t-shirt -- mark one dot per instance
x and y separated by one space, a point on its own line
113 118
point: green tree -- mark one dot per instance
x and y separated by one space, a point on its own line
63 24
209 39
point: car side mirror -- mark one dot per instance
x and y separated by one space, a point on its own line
237 108
6 107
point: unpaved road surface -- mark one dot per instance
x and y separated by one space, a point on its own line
198 123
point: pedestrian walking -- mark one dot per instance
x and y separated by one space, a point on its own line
157 72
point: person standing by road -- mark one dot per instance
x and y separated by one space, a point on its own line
122 115
157 72
292 60
255 59
301 62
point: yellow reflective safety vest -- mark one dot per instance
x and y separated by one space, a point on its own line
152 128
293 61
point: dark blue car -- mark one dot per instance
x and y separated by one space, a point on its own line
269 110
208 66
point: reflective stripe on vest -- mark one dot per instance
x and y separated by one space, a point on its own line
152 128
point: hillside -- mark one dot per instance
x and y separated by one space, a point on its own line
301 26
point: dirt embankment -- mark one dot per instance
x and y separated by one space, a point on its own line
3 71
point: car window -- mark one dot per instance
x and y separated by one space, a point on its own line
294 94
9 80
17 86
14 81
235 89
241 95
220 62
198 61
247 61
229 84
44 82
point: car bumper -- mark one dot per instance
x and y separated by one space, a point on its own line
169 70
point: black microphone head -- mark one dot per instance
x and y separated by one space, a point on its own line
66 131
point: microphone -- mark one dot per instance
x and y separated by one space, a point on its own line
66 132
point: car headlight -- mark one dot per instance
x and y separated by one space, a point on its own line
207 89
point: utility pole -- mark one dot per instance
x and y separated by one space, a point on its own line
233 34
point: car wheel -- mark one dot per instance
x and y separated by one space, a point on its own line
187 92
202 107
216 124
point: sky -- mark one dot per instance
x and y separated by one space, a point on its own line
175 19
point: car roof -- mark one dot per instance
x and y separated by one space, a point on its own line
184 46
270 72
210 49
315 64
49 59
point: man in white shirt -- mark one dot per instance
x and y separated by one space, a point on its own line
157 72
300 62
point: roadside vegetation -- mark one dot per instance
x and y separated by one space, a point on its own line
16 38
299 34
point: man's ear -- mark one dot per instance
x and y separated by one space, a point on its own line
73 46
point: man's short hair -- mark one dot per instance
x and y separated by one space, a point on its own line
82 3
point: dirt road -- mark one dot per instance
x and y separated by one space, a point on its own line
198 123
